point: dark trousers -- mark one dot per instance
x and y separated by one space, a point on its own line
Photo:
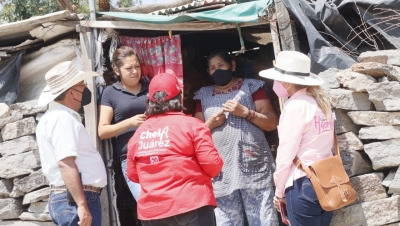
303 207
203 216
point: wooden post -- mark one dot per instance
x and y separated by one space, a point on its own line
91 117
287 30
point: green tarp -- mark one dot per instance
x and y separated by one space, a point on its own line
236 13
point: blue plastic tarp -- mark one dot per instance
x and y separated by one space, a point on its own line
236 13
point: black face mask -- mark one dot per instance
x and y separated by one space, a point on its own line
222 77
86 97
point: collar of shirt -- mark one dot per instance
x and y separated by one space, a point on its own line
119 87
299 93
55 105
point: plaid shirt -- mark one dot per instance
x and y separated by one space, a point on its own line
248 162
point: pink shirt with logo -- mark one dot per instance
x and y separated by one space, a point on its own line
304 132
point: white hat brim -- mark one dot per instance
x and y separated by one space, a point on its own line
312 80
47 96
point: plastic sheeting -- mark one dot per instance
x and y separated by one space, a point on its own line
322 21
236 13
9 79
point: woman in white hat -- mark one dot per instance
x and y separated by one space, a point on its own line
305 130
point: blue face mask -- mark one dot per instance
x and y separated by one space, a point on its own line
222 77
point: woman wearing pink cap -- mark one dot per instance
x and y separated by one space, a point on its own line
173 158
306 131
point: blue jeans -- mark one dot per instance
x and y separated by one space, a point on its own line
303 207
64 213
203 216
256 203
134 187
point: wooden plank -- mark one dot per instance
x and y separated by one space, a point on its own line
188 26
287 30
31 23
91 117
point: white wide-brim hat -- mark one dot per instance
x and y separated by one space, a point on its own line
292 67
60 78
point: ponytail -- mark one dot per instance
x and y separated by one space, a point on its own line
321 99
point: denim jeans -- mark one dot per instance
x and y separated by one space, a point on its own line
203 216
64 213
134 187
303 207
257 204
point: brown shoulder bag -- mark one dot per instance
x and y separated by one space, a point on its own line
330 181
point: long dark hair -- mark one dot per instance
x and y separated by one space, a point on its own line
160 106
119 56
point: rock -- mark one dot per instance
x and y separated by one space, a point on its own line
368 187
349 141
39 207
19 128
11 119
18 146
25 216
373 118
378 212
376 70
380 132
28 108
355 81
343 123
329 78
394 186
31 182
36 196
382 56
348 100
355 162
385 96
4 111
10 208
389 178
384 154
17 165
6 186
25 223
369 68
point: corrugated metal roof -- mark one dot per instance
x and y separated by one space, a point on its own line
195 6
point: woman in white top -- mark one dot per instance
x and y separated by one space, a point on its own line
306 130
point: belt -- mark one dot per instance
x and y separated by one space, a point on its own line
85 188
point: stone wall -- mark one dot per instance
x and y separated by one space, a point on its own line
367 102
24 189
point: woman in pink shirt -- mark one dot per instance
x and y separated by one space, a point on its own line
305 130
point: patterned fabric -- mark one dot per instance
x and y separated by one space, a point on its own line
157 54
237 86
256 203
248 162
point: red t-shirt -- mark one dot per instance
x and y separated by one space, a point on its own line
260 94
173 157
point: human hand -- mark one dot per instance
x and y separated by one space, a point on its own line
137 120
84 215
235 108
217 119
276 202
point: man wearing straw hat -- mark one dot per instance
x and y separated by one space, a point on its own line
69 159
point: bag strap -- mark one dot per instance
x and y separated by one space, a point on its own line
300 165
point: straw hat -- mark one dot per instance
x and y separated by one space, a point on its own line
60 78
292 67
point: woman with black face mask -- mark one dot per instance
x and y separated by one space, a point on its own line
237 111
